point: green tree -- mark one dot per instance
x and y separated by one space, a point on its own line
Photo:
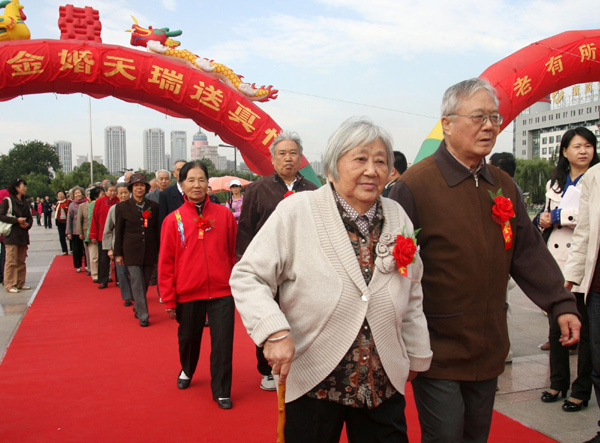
38 186
32 157
532 176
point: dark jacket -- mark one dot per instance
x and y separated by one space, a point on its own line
20 208
137 244
466 265
169 200
260 200
46 207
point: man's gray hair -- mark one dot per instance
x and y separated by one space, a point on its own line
121 185
454 95
356 131
162 171
109 184
286 135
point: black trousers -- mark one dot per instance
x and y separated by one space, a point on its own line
47 220
261 362
560 372
311 420
78 251
221 315
103 265
62 236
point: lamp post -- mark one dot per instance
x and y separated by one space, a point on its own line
234 156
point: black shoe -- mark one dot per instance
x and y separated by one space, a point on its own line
135 314
144 323
89 273
224 403
127 303
596 439
103 286
569 406
547 397
110 280
182 383
95 281
206 324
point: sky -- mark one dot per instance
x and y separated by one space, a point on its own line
389 60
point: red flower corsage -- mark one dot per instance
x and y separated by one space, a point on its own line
146 214
204 225
404 252
287 194
502 212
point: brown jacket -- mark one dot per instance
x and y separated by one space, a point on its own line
137 244
466 266
20 208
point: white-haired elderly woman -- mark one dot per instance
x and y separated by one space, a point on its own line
349 329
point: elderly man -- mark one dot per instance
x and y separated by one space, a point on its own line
261 199
172 197
163 179
399 168
471 239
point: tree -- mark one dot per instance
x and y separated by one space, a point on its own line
38 186
32 157
80 176
532 176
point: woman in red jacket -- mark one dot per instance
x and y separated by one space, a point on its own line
197 254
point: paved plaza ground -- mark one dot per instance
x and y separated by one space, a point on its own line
520 385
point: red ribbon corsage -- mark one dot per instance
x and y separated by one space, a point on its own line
146 215
502 212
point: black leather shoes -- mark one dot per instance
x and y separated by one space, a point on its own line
182 383
127 303
548 397
224 403
570 406
103 286
144 323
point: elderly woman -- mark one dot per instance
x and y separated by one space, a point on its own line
349 330
136 240
76 241
197 253
14 209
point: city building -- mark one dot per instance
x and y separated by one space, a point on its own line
201 149
65 156
154 149
317 167
539 128
168 162
81 159
178 145
115 149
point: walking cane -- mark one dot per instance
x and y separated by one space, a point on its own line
280 412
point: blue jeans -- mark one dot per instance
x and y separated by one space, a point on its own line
593 310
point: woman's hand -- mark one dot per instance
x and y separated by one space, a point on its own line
279 355
119 260
545 220
94 241
412 375
21 220
110 254
81 237
69 236
172 313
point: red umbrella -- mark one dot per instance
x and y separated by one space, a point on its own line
219 184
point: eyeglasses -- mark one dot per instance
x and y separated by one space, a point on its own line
481 119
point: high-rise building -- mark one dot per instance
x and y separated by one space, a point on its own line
154 149
115 149
81 159
201 149
317 167
538 129
65 156
178 145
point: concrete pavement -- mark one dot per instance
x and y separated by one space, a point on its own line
520 386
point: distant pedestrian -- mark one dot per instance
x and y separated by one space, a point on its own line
234 203
60 217
47 211
76 242
39 211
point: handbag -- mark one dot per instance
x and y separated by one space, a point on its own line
5 227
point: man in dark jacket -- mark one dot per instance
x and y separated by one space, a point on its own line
472 238
47 210
261 199
172 197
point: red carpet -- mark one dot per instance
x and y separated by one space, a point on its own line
80 368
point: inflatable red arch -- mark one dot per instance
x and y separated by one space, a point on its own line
530 74
152 80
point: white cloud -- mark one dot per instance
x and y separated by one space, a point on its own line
170 5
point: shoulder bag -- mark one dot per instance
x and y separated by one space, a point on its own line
5 227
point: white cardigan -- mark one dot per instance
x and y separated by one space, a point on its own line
581 262
304 250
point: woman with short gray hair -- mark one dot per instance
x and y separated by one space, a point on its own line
349 329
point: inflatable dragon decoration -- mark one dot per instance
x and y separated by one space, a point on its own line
159 40
12 22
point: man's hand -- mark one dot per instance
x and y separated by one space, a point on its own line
119 260
110 254
279 355
412 375
172 313
545 220
569 285
569 329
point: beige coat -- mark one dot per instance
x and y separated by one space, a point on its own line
583 254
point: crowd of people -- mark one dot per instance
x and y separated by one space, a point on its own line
382 276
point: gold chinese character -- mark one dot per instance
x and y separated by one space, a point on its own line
522 86
119 67
244 116
208 96
576 90
166 79
555 64
589 88
558 96
78 61
25 63
588 52
271 134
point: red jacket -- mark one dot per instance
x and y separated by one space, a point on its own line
103 204
193 268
